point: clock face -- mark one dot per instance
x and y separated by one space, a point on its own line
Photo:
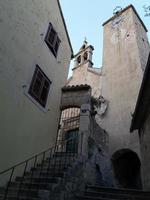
117 22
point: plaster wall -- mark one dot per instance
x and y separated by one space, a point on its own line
25 128
86 75
122 75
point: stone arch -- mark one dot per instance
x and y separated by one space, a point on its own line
127 169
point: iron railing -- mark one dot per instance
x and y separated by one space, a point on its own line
50 157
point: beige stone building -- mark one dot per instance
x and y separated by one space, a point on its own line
125 54
35 53
126 50
116 85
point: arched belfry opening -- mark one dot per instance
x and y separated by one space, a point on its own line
85 56
79 60
127 169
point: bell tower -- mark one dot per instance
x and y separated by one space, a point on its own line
125 53
84 71
84 56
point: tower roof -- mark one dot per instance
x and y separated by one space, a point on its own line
123 10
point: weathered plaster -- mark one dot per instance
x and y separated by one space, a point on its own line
121 79
25 129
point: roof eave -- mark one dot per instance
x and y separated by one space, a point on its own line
63 19
130 6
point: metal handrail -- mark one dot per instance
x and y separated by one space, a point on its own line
59 147
34 156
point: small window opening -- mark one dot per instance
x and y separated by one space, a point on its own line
40 86
52 40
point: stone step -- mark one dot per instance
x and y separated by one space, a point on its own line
116 196
92 198
14 197
64 154
20 191
57 161
42 177
60 158
33 185
53 173
53 166
36 179
118 191
43 174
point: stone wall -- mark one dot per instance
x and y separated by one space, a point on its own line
122 76
144 135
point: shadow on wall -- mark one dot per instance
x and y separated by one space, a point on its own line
127 169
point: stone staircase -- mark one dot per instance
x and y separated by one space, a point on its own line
101 193
37 183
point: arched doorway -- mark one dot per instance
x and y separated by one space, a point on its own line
126 166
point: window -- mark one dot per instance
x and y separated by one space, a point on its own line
40 86
52 40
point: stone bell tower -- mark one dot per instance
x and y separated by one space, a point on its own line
83 70
84 56
125 54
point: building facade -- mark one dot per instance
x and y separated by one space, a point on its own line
141 122
125 54
116 86
35 53
96 103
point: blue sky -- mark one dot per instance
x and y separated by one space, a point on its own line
85 18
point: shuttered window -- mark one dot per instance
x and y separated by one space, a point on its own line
52 40
40 86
